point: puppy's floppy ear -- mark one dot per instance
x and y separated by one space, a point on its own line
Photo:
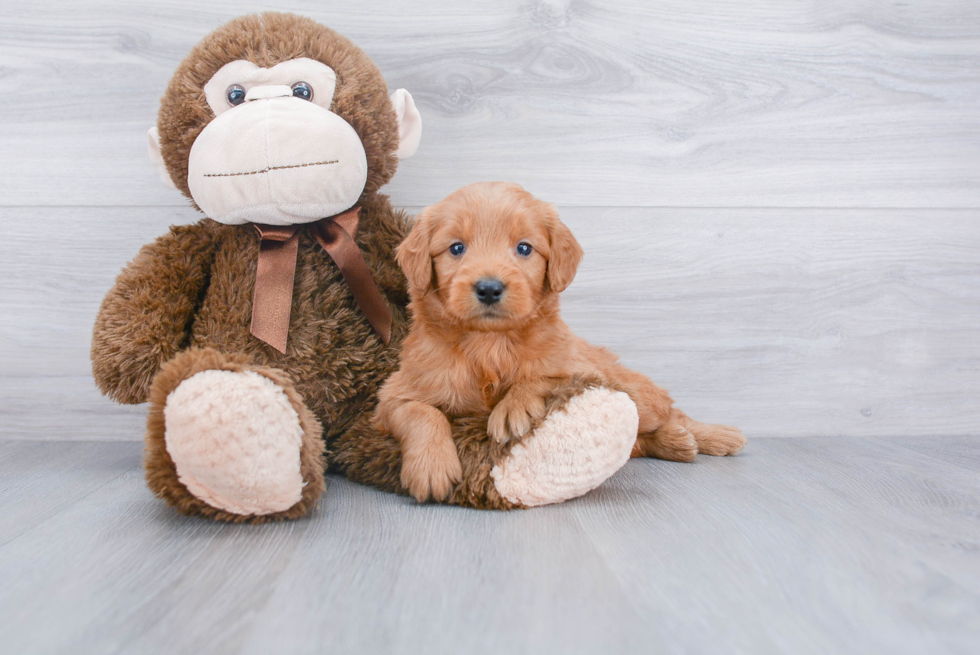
414 258
565 253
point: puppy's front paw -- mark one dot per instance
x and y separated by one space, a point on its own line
431 470
512 417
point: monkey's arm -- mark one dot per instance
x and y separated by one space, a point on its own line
146 317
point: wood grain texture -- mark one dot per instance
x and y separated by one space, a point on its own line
850 307
813 545
672 103
784 322
76 469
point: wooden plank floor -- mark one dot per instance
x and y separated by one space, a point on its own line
808 545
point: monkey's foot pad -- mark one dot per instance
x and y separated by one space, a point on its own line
574 451
235 440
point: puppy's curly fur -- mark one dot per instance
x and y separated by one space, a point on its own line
485 267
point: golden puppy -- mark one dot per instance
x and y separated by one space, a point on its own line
485 267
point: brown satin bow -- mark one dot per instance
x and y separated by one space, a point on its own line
276 272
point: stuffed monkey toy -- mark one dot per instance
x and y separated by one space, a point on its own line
260 334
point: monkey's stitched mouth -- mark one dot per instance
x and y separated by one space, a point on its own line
272 168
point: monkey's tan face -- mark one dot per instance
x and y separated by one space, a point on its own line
274 152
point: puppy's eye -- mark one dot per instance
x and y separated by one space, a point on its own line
303 91
457 249
524 249
235 95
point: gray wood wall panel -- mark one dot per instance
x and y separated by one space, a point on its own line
784 322
671 103
849 306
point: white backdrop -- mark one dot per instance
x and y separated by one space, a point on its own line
779 202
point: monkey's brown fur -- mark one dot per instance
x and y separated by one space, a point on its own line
184 304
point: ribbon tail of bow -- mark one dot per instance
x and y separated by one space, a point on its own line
336 237
276 272
274 277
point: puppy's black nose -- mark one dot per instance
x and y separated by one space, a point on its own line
489 290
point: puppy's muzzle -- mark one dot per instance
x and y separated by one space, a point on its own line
489 291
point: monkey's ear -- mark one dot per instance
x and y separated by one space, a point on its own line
156 157
414 258
409 123
565 254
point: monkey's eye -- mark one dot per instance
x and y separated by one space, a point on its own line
524 249
235 95
457 249
303 91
